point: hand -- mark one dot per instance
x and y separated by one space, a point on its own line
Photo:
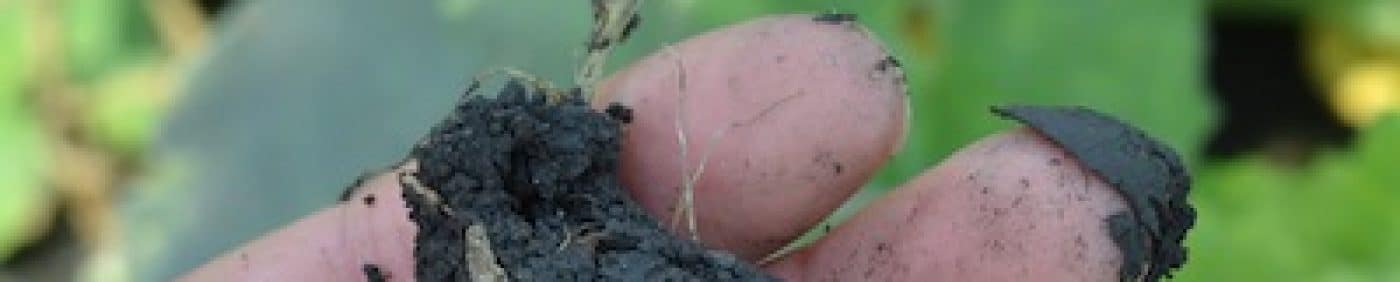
789 116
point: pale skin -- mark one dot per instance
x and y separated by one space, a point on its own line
1010 207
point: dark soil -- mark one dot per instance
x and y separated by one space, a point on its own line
1147 173
522 187
373 273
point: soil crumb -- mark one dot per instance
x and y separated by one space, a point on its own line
834 18
374 274
1147 173
369 200
522 187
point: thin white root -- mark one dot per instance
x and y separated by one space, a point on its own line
407 177
552 94
687 186
689 195
685 203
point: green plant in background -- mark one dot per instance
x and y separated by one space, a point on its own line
23 198
82 80
104 36
1335 220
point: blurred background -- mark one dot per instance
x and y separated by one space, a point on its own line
140 138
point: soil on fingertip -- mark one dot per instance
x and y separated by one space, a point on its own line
523 187
1148 174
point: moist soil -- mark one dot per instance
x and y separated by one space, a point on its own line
523 187
1148 174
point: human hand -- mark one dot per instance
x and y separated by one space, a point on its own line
808 112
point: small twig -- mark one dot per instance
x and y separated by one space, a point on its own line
685 203
407 178
613 20
680 207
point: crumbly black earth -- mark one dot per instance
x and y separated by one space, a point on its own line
1147 173
537 172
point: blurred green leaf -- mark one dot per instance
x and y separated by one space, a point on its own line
127 105
1374 22
14 27
23 198
1333 221
102 34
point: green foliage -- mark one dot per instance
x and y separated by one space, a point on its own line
23 161
104 34
1376 21
126 106
99 37
1333 221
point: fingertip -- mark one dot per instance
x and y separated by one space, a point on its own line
1011 207
787 115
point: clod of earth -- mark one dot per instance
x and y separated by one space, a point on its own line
1149 176
523 187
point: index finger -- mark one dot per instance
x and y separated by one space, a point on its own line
775 122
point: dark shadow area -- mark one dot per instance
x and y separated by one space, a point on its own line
55 257
1267 103
214 8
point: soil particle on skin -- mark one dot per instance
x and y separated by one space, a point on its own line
1148 174
888 63
374 274
522 187
354 187
364 177
368 200
834 18
891 64
619 112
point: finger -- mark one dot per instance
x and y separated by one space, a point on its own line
1011 207
336 244
793 114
